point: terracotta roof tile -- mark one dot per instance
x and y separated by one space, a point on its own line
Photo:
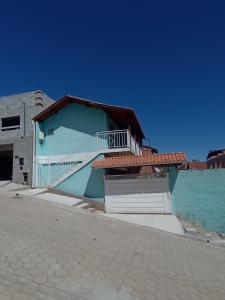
123 115
141 160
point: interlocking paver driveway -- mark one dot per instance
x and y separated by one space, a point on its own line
47 252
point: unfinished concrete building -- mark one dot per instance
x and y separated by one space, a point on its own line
16 134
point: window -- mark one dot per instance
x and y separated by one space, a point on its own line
25 178
11 123
21 161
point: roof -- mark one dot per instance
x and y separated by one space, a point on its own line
141 160
21 94
118 113
149 150
213 153
195 165
27 97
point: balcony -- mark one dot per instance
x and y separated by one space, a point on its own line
117 141
54 169
100 143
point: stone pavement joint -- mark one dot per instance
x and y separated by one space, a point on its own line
51 253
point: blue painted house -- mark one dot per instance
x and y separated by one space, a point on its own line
71 134
94 150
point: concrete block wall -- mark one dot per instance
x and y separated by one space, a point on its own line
25 105
199 195
23 149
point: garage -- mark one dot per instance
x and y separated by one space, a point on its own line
139 184
137 194
6 162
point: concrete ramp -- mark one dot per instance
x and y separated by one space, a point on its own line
11 187
166 223
32 192
59 199
43 194
4 182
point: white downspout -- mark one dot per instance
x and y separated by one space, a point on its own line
34 156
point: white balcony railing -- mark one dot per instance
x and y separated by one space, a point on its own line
112 139
117 139
50 171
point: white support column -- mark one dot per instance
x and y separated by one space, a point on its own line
128 139
49 172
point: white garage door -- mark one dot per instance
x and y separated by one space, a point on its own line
137 195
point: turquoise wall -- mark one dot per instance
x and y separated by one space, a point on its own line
86 182
199 195
73 125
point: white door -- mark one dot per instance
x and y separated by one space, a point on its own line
137 195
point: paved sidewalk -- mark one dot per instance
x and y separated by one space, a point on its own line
47 252
166 223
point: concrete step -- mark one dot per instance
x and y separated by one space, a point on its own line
83 205
90 209
98 211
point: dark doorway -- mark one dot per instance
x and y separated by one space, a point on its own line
6 162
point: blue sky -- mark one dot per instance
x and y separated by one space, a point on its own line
166 59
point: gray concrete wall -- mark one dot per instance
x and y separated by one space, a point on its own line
25 105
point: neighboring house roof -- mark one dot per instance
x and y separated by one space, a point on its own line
195 165
121 114
214 153
142 160
149 150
